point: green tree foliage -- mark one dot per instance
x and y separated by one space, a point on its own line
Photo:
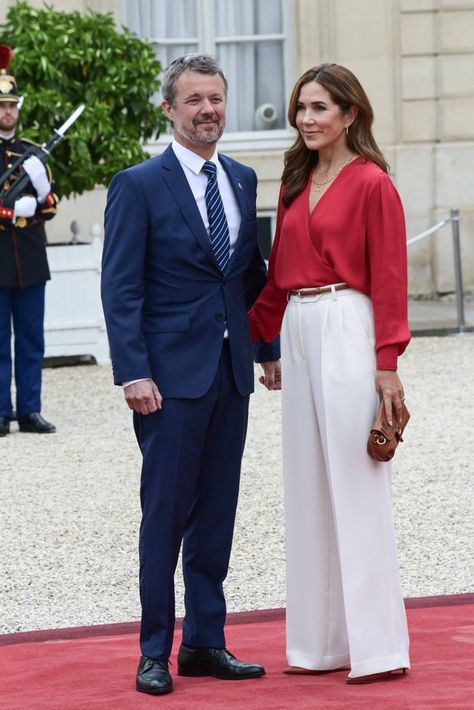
64 59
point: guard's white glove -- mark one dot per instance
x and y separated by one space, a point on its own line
24 207
38 176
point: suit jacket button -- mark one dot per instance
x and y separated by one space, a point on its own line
219 316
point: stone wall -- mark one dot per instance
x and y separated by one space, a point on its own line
415 58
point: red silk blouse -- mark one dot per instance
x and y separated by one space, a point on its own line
355 234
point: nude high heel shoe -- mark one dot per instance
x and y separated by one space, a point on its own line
297 670
375 677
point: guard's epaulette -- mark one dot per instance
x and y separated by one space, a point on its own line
27 144
30 142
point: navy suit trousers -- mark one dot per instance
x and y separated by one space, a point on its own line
25 308
192 451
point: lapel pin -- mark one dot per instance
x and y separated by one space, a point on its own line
240 186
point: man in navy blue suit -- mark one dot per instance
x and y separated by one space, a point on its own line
181 267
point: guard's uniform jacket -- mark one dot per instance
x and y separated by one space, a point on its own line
23 260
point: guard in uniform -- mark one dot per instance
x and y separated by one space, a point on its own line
23 268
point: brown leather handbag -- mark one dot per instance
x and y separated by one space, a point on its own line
383 438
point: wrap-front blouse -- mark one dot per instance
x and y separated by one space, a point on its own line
355 234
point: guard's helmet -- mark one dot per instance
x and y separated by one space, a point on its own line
8 88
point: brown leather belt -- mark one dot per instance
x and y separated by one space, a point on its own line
303 292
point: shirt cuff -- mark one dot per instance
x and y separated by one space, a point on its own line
132 382
387 357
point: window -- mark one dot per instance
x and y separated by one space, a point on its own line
250 38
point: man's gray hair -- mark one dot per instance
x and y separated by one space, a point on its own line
202 63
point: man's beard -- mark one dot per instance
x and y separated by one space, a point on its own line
200 136
9 127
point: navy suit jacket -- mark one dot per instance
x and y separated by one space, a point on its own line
166 302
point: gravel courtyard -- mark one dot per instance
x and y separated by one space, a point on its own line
70 507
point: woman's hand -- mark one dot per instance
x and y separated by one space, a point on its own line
390 389
272 375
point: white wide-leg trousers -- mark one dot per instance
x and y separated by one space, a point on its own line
344 598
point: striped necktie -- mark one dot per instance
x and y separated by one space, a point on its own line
218 227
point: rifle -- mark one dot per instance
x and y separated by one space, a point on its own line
20 184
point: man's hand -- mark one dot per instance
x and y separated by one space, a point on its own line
38 177
390 390
143 397
271 377
24 207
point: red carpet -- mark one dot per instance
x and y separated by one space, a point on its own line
76 669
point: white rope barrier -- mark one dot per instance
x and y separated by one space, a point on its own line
427 232
454 219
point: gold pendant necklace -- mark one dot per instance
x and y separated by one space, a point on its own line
317 185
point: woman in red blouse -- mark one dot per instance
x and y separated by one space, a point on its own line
337 290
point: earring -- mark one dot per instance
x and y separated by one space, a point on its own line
347 130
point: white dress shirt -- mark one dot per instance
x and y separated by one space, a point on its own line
192 167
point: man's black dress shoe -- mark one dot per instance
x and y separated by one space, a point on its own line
217 662
4 426
153 677
36 424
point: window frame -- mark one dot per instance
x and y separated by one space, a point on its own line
207 42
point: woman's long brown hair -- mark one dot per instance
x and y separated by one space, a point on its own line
345 91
